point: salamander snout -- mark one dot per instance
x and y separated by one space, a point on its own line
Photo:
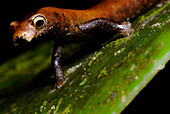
28 29
22 32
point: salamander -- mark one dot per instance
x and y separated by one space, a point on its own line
70 25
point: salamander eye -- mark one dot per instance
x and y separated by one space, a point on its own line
39 21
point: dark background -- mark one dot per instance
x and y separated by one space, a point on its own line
154 97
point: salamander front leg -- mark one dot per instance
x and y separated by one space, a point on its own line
123 28
60 79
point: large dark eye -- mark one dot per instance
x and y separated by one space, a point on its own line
39 21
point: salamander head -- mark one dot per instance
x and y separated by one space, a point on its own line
29 28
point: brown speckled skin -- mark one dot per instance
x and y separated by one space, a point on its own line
67 25
63 22
114 10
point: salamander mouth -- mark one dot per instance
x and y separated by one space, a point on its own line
19 41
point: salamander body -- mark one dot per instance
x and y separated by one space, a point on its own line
69 25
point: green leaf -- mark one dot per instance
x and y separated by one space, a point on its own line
106 80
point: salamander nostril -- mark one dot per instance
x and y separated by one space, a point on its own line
13 25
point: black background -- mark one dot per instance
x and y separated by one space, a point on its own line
154 97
